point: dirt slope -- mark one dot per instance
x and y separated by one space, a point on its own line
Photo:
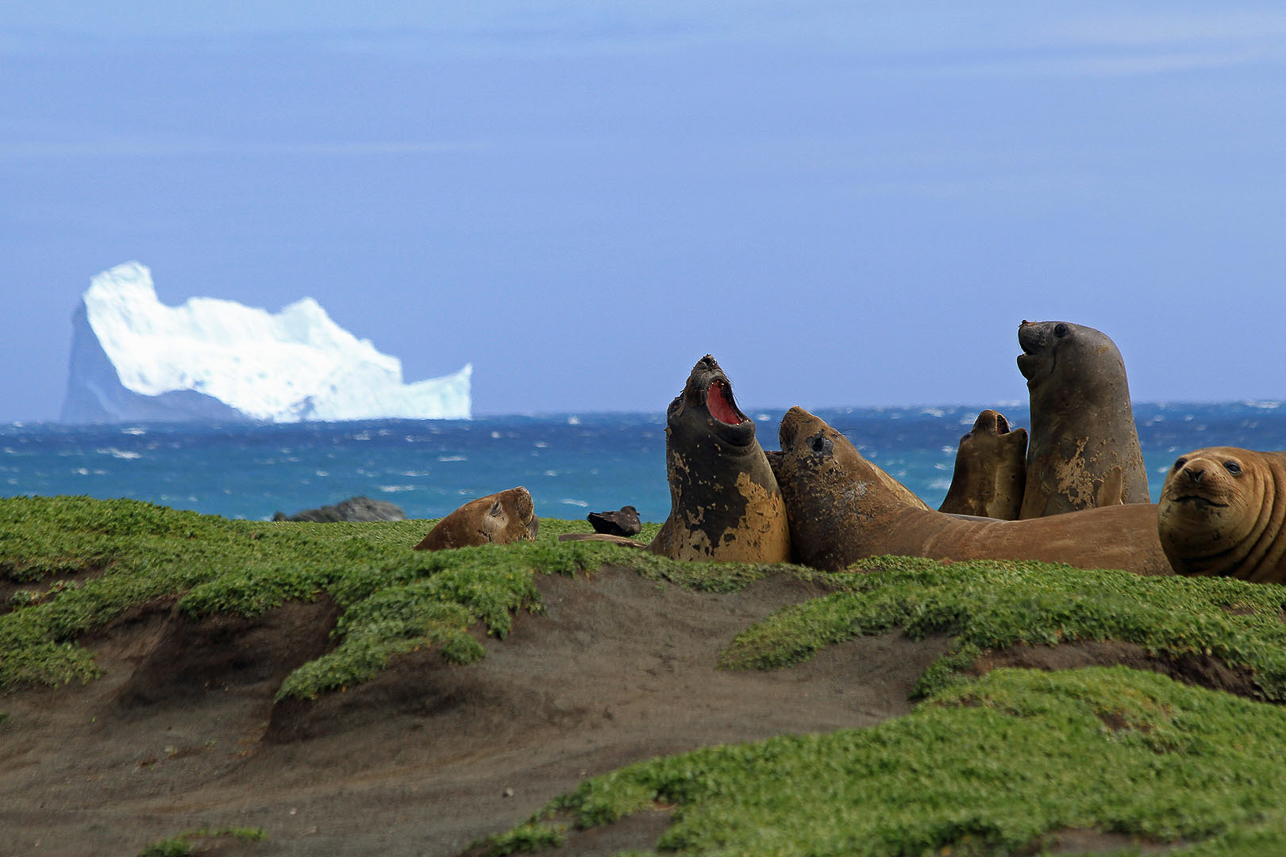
181 733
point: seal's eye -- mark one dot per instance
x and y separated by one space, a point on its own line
1232 467
1060 329
821 444
1179 463
495 509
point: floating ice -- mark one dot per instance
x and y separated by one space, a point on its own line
133 358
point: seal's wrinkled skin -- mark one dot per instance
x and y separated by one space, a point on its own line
841 510
991 470
724 501
1084 450
502 518
1222 512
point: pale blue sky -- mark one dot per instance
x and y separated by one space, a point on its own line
847 204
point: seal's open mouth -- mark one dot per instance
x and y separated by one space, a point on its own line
1002 424
720 404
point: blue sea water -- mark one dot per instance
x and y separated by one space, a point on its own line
572 464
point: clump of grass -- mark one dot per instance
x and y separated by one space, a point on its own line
994 605
181 845
999 766
531 836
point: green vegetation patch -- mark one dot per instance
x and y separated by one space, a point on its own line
995 605
999 766
392 599
181 845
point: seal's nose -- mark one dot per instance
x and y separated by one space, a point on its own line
1195 474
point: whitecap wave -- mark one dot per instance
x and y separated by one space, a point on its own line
123 454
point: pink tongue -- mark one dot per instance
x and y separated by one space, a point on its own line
719 407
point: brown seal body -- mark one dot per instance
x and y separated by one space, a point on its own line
991 470
1084 449
840 512
508 516
724 501
1223 512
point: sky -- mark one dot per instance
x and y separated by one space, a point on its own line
847 204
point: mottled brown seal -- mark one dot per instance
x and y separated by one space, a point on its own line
991 470
1084 449
725 505
840 511
508 516
1222 512
724 501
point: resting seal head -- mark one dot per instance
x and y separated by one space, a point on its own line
1221 513
724 501
833 494
501 518
991 470
1084 449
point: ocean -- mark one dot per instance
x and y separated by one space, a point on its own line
572 464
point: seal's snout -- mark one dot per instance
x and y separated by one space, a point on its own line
1195 474
523 502
1030 337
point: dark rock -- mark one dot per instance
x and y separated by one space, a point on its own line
356 509
622 523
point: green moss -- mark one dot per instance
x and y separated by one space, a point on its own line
997 767
181 845
533 836
994 605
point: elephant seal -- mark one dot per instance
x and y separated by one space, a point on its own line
725 505
1223 512
991 470
508 516
840 511
1084 449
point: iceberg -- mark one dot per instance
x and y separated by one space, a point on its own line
134 358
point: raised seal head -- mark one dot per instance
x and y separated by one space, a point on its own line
501 518
991 470
1084 448
835 497
1221 513
725 504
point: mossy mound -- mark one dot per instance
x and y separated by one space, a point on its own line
72 565
995 605
1004 765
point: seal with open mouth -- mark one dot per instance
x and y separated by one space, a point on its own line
501 518
1084 449
841 510
725 504
1223 512
991 470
